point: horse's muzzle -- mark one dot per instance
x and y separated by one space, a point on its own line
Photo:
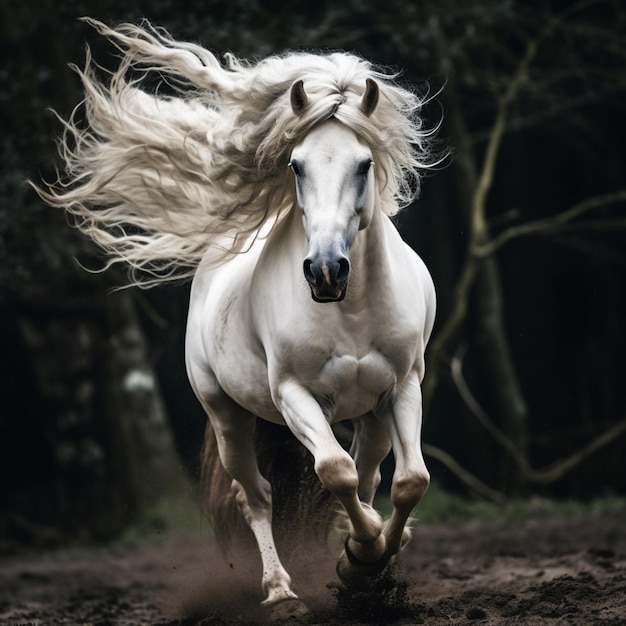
328 280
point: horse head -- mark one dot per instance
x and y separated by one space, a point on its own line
335 191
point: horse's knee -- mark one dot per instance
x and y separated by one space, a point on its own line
407 490
338 474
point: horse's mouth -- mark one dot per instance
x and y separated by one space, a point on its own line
325 293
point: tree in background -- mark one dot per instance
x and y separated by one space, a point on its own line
512 69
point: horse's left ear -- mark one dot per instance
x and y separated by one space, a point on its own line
370 97
298 97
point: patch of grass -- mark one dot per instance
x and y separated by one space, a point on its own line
440 506
179 518
175 518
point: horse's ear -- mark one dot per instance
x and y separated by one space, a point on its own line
370 97
299 100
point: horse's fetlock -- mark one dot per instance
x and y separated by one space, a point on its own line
367 550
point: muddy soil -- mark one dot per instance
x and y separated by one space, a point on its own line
537 571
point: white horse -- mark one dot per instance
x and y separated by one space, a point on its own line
307 308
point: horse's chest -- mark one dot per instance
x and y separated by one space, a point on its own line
348 367
350 386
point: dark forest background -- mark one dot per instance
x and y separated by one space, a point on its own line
523 231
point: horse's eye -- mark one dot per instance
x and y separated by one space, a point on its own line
296 168
364 167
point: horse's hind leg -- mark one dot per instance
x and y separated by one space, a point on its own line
234 431
370 446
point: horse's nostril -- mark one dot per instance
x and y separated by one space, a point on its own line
308 271
343 271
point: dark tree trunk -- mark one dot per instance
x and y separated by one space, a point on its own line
106 451
477 306
136 416
87 447
499 380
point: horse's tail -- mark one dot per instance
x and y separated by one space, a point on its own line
301 507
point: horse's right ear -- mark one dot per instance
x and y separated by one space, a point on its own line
299 100
370 97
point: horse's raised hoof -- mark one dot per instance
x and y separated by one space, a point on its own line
356 573
286 610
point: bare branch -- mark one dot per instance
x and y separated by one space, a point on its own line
589 225
478 225
498 129
560 468
544 476
549 224
550 111
478 411
462 474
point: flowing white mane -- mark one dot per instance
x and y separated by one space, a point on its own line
157 179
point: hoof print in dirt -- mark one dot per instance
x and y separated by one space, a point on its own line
286 611
476 613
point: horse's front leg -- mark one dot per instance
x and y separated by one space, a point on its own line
334 467
411 478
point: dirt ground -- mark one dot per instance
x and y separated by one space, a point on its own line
537 571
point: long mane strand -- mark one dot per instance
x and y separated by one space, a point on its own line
158 178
